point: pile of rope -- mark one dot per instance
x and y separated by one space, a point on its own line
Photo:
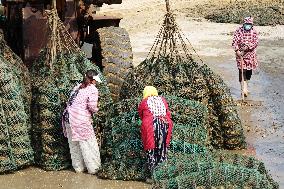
15 99
171 68
60 66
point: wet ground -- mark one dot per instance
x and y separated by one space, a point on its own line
34 178
263 124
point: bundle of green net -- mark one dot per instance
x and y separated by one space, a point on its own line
265 12
217 169
122 148
192 163
170 67
60 66
15 99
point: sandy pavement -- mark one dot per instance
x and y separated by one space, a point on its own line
263 125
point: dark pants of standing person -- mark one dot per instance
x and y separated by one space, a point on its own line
159 154
247 75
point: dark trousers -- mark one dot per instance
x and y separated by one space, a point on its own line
247 75
159 154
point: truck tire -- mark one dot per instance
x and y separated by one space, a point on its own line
116 57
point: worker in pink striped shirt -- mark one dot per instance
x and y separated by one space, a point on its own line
78 125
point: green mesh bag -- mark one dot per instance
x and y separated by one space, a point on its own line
124 155
15 90
218 176
170 67
7 162
122 146
16 150
241 171
223 106
60 66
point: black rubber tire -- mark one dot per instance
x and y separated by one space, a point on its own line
117 57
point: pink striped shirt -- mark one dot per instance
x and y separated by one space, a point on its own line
80 112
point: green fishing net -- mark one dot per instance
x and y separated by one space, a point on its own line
170 67
15 98
192 163
245 170
216 175
122 148
60 66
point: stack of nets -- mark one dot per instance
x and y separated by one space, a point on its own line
122 146
191 161
265 12
60 66
171 68
15 99
218 169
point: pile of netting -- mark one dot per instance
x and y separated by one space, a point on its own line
170 67
60 66
191 162
15 99
122 148
265 12
217 169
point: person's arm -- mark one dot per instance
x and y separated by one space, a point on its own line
255 40
92 103
236 41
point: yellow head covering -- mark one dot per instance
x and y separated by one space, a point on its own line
149 91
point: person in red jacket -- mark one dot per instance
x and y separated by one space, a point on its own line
156 128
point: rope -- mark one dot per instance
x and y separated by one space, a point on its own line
59 39
171 41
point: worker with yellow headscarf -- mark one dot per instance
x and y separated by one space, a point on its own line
156 128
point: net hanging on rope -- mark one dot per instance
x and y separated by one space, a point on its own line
60 66
59 38
171 41
172 68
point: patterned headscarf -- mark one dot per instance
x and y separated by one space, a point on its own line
149 91
248 20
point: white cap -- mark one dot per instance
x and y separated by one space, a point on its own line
97 78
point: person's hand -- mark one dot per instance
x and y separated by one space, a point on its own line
238 53
245 48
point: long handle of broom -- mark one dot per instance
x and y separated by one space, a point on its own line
242 72
168 5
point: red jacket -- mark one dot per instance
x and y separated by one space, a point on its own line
147 127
